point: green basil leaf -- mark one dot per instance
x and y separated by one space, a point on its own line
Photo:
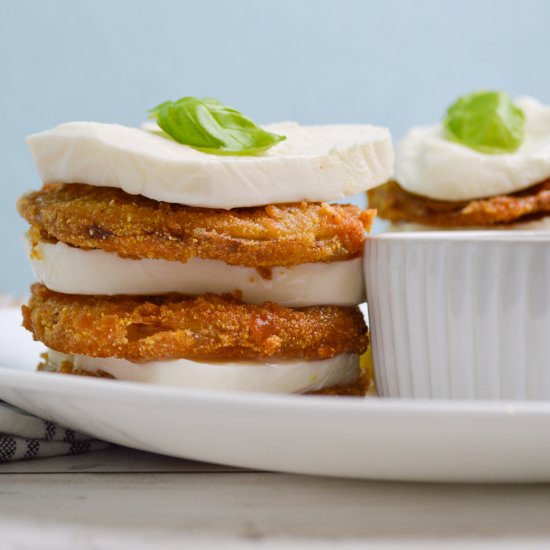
486 121
212 127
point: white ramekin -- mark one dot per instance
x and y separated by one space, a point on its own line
460 315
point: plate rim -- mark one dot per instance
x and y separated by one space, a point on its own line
129 391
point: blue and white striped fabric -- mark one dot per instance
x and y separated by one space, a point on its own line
24 436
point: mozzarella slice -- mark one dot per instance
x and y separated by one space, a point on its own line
315 163
430 165
295 376
72 270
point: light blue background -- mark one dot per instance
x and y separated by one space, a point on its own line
394 62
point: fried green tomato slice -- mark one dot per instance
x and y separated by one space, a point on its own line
209 326
133 226
397 205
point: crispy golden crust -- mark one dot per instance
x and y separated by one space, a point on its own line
397 205
136 227
209 326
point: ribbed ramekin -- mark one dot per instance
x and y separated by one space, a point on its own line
460 315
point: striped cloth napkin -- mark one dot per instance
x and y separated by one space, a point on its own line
24 436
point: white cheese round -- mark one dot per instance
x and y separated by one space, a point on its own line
292 376
427 164
315 163
71 270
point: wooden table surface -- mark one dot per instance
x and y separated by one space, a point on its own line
120 498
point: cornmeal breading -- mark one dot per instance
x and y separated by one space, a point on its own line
397 205
137 227
208 327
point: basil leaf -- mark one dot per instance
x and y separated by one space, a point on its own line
212 127
486 121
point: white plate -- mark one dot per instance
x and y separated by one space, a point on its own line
370 438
